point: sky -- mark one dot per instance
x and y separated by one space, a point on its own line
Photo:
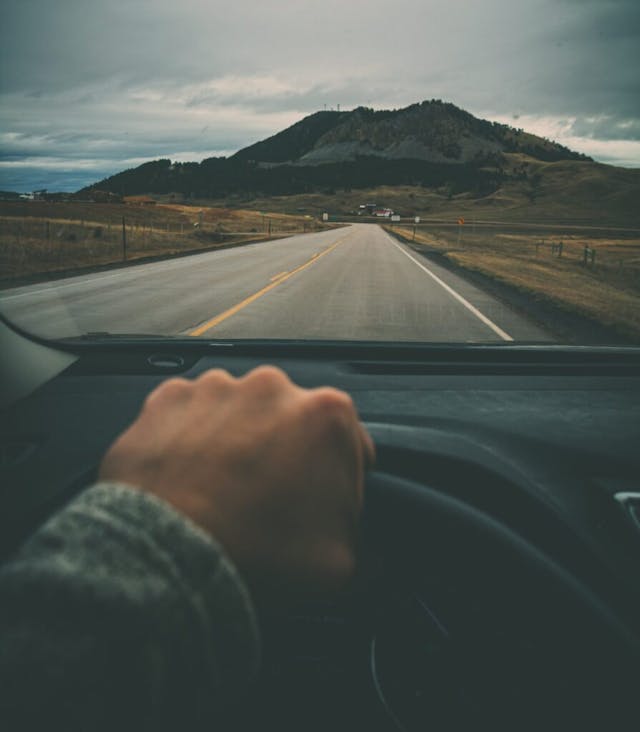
88 89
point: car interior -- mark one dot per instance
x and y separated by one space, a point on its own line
498 583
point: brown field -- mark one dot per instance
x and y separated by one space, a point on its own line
568 192
39 238
602 284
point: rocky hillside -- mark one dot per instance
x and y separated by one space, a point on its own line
432 144
434 132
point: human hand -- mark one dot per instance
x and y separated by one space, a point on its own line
273 471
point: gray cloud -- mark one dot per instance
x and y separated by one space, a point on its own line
141 79
607 127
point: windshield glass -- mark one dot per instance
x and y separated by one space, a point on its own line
432 172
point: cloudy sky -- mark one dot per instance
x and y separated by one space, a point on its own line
90 88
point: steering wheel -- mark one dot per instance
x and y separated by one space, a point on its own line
487 631
461 621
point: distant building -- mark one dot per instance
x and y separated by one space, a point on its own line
40 195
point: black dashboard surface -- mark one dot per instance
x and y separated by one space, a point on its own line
542 442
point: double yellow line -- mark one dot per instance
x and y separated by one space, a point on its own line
277 280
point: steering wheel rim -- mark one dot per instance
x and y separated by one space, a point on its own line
419 530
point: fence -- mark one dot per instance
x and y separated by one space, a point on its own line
608 254
621 256
30 245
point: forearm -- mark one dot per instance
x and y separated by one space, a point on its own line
120 610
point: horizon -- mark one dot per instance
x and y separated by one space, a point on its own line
88 90
83 181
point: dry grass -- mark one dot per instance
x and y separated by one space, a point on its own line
40 237
567 192
606 290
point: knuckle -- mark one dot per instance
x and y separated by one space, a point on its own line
268 377
170 390
332 403
216 378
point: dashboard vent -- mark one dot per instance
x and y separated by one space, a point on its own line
166 361
131 362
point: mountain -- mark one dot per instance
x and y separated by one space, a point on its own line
435 132
432 144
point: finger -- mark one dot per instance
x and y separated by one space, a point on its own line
215 381
171 391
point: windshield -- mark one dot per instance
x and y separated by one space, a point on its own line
425 172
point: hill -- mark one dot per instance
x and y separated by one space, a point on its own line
432 146
435 132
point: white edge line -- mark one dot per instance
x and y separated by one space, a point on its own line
505 336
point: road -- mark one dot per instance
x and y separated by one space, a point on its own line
355 283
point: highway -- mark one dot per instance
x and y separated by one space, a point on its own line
355 283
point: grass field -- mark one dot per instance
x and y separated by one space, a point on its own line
567 192
37 237
602 284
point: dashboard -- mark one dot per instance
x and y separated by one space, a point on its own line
499 582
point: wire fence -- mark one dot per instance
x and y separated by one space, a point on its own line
30 245
605 254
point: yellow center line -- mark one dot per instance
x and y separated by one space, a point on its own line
279 275
209 324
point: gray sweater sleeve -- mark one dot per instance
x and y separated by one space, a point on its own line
121 614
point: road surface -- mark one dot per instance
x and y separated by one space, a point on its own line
355 283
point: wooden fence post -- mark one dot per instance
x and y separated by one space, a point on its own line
589 255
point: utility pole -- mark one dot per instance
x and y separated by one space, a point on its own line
124 241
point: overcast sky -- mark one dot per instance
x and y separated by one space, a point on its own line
90 88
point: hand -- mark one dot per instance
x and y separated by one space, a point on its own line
273 471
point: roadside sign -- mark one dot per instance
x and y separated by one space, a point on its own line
395 217
417 219
325 217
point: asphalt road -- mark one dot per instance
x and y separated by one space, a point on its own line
354 283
